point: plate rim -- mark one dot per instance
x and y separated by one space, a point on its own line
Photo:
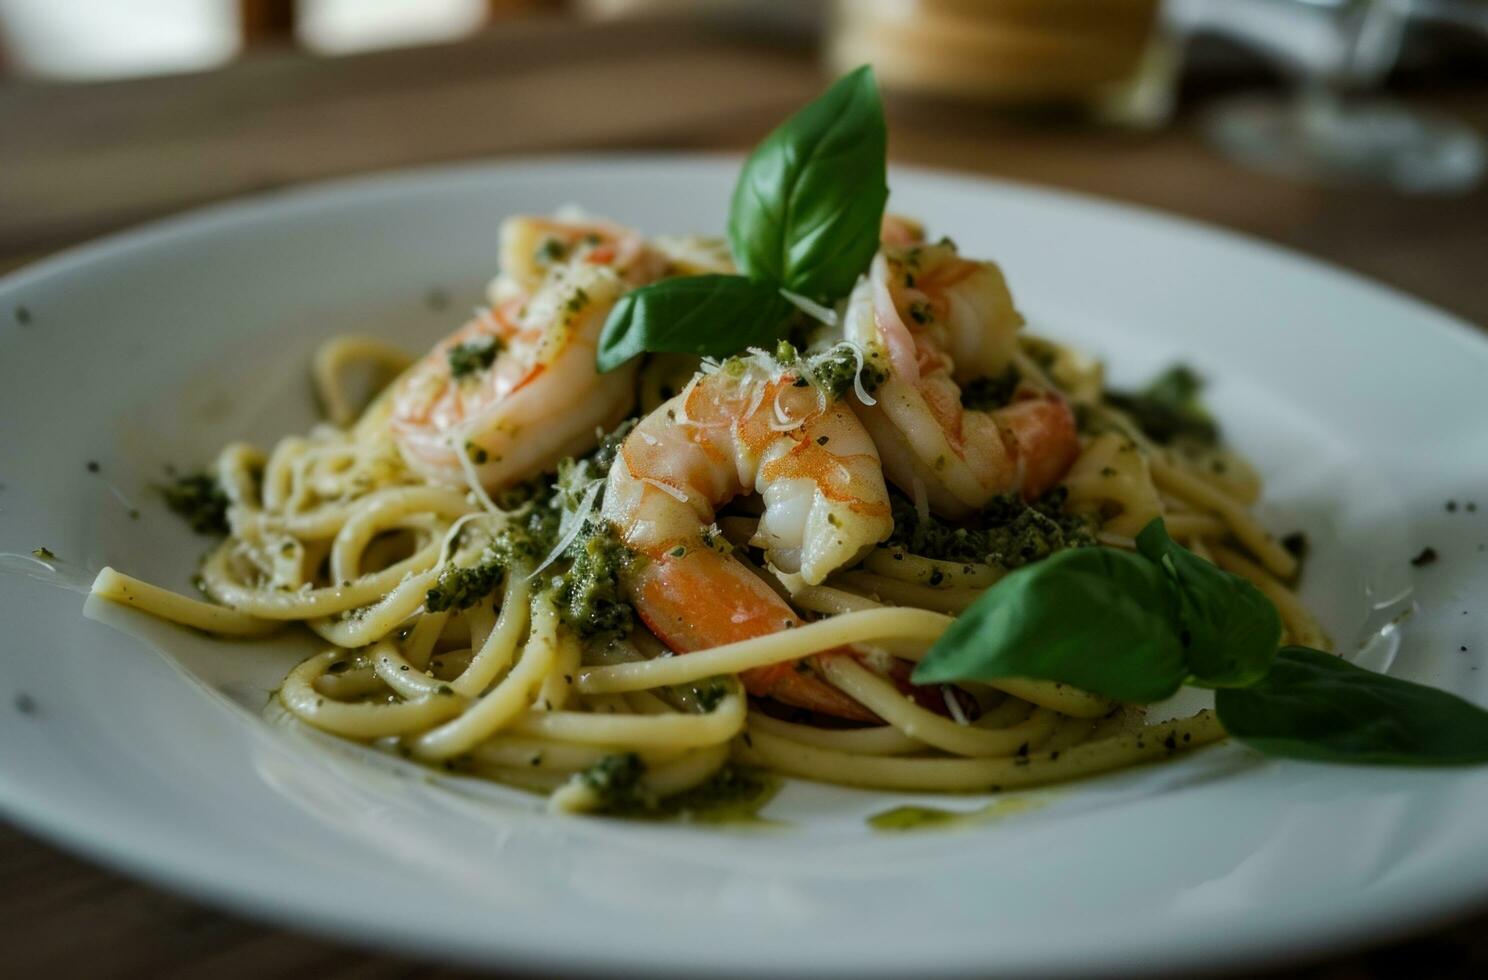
160 866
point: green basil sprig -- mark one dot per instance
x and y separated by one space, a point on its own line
805 217
711 315
1228 629
809 202
1314 705
1137 626
1128 625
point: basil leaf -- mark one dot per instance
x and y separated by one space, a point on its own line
1097 618
1313 705
808 205
710 315
1228 628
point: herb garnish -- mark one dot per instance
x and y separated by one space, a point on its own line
804 218
1314 705
713 315
809 202
1135 626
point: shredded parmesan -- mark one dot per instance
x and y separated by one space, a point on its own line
858 388
754 401
575 524
811 308
681 400
783 422
450 535
953 706
921 499
666 488
457 443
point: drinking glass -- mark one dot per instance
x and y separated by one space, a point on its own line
1334 127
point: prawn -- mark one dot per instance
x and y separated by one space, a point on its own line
945 322
760 428
483 400
532 247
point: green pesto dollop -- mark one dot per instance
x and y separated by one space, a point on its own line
199 500
591 593
1169 410
904 818
986 393
733 795
1008 532
616 782
472 357
835 371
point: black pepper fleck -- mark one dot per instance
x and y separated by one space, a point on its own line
22 315
25 704
1426 557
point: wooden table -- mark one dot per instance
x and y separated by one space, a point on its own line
76 162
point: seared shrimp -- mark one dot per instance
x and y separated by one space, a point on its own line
533 247
944 322
515 389
729 433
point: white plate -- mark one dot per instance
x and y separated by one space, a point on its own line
1365 409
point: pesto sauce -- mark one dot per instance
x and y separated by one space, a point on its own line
199 500
589 590
987 393
837 372
591 593
733 796
472 357
1168 410
904 818
1008 532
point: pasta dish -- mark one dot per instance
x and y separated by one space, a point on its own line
502 569
620 575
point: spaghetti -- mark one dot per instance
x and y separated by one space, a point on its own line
487 628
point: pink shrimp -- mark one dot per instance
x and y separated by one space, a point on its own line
944 322
516 389
729 433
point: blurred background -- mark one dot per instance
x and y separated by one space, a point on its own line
1349 129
